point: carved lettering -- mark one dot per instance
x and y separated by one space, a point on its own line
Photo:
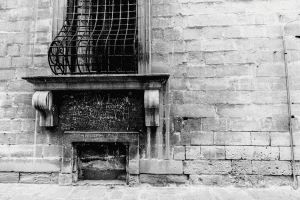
102 111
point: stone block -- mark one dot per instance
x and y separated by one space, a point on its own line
297 168
270 69
256 181
209 180
17 151
163 180
13 50
200 167
210 20
285 153
36 178
133 180
252 152
224 111
212 152
191 124
260 138
170 167
214 124
192 152
280 139
65 179
244 124
197 71
297 152
52 151
192 110
278 181
232 138
214 58
202 138
30 165
5 62
239 152
272 167
66 166
7 74
9 177
133 167
211 84
179 153
185 138
161 166
265 153
241 167
54 177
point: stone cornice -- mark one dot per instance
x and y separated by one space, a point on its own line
98 82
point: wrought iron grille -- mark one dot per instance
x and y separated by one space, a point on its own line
97 37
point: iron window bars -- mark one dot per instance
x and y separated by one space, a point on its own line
97 37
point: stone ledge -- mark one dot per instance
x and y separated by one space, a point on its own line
98 82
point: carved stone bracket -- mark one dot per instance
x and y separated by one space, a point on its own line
43 102
151 103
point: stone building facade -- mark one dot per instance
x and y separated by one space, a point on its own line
224 110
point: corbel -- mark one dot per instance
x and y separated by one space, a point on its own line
42 101
151 103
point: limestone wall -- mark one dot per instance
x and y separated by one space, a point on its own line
228 97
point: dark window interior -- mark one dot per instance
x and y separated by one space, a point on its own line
98 36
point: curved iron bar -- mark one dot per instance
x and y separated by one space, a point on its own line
91 30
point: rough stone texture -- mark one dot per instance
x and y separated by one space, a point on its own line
35 178
285 153
9 177
30 165
179 153
54 177
241 180
163 180
272 167
202 138
65 179
192 152
227 87
280 139
212 152
252 152
260 138
133 180
232 138
241 167
207 167
161 166
218 180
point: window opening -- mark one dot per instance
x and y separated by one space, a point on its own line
97 37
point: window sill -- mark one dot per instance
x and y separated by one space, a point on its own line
99 82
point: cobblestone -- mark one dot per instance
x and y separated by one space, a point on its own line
144 192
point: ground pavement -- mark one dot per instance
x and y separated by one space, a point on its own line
144 192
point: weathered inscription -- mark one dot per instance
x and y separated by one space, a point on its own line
102 111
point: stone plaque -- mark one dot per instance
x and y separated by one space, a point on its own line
102 111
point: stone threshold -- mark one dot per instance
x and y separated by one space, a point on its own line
108 183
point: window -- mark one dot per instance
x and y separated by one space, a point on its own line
100 37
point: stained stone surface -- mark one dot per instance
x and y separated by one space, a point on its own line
102 111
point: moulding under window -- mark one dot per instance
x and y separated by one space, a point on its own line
99 82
